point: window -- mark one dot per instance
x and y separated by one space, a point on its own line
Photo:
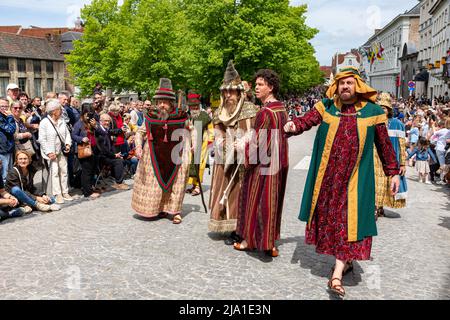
50 85
3 84
4 65
350 62
21 65
49 67
37 66
37 87
23 84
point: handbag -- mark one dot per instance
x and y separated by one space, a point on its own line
60 139
84 150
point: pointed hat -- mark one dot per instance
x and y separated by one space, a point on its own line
231 79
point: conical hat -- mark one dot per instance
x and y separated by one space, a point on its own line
231 79
165 90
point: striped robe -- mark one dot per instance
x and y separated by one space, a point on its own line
264 185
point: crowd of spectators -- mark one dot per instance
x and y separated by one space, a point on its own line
73 143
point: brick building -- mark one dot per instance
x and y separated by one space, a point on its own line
33 63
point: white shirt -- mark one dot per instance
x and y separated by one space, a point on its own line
441 138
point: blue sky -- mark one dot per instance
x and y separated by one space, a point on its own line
343 24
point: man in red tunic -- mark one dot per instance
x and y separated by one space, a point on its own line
264 185
339 196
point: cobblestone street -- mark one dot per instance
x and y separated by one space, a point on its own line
101 250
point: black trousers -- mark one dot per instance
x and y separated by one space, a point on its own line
117 168
88 168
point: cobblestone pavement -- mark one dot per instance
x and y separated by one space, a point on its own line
101 250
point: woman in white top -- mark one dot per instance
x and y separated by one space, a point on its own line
55 139
441 137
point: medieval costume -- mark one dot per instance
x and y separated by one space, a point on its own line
396 131
159 183
228 171
264 184
198 119
339 196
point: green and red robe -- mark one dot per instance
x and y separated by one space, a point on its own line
160 179
339 196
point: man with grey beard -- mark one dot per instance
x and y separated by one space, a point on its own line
236 114
201 123
162 172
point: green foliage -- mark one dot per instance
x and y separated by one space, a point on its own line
132 46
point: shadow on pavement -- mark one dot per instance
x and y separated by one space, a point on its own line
445 222
32 215
391 215
321 265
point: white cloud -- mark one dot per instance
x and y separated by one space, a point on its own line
347 24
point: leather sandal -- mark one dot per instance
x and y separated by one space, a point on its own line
337 288
348 268
195 192
177 219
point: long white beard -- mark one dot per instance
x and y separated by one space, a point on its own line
195 114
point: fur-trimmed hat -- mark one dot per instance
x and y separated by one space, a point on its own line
165 90
193 98
232 79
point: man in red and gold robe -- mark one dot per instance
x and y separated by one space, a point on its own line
338 202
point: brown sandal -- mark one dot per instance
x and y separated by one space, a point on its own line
337 288
195 192
348 268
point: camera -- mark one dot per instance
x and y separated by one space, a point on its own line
90 116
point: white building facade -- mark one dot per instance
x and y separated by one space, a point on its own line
385 75
440 44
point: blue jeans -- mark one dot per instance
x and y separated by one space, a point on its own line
441 157
7 162
25 198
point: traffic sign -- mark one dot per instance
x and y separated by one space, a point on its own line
411 84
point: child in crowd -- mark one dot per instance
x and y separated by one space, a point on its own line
423 155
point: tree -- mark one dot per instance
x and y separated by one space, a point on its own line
191 42
255 34
94 57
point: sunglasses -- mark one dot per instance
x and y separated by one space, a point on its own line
18 108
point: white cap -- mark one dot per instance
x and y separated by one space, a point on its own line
12 86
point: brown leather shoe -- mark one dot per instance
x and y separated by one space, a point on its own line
273 253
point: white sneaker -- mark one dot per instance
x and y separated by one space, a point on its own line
67 197
59 199
42 207
55 207
428 182
441 183
27 209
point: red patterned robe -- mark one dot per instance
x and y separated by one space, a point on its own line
328 231
262 193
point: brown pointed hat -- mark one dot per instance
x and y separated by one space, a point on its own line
165 90
232 79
